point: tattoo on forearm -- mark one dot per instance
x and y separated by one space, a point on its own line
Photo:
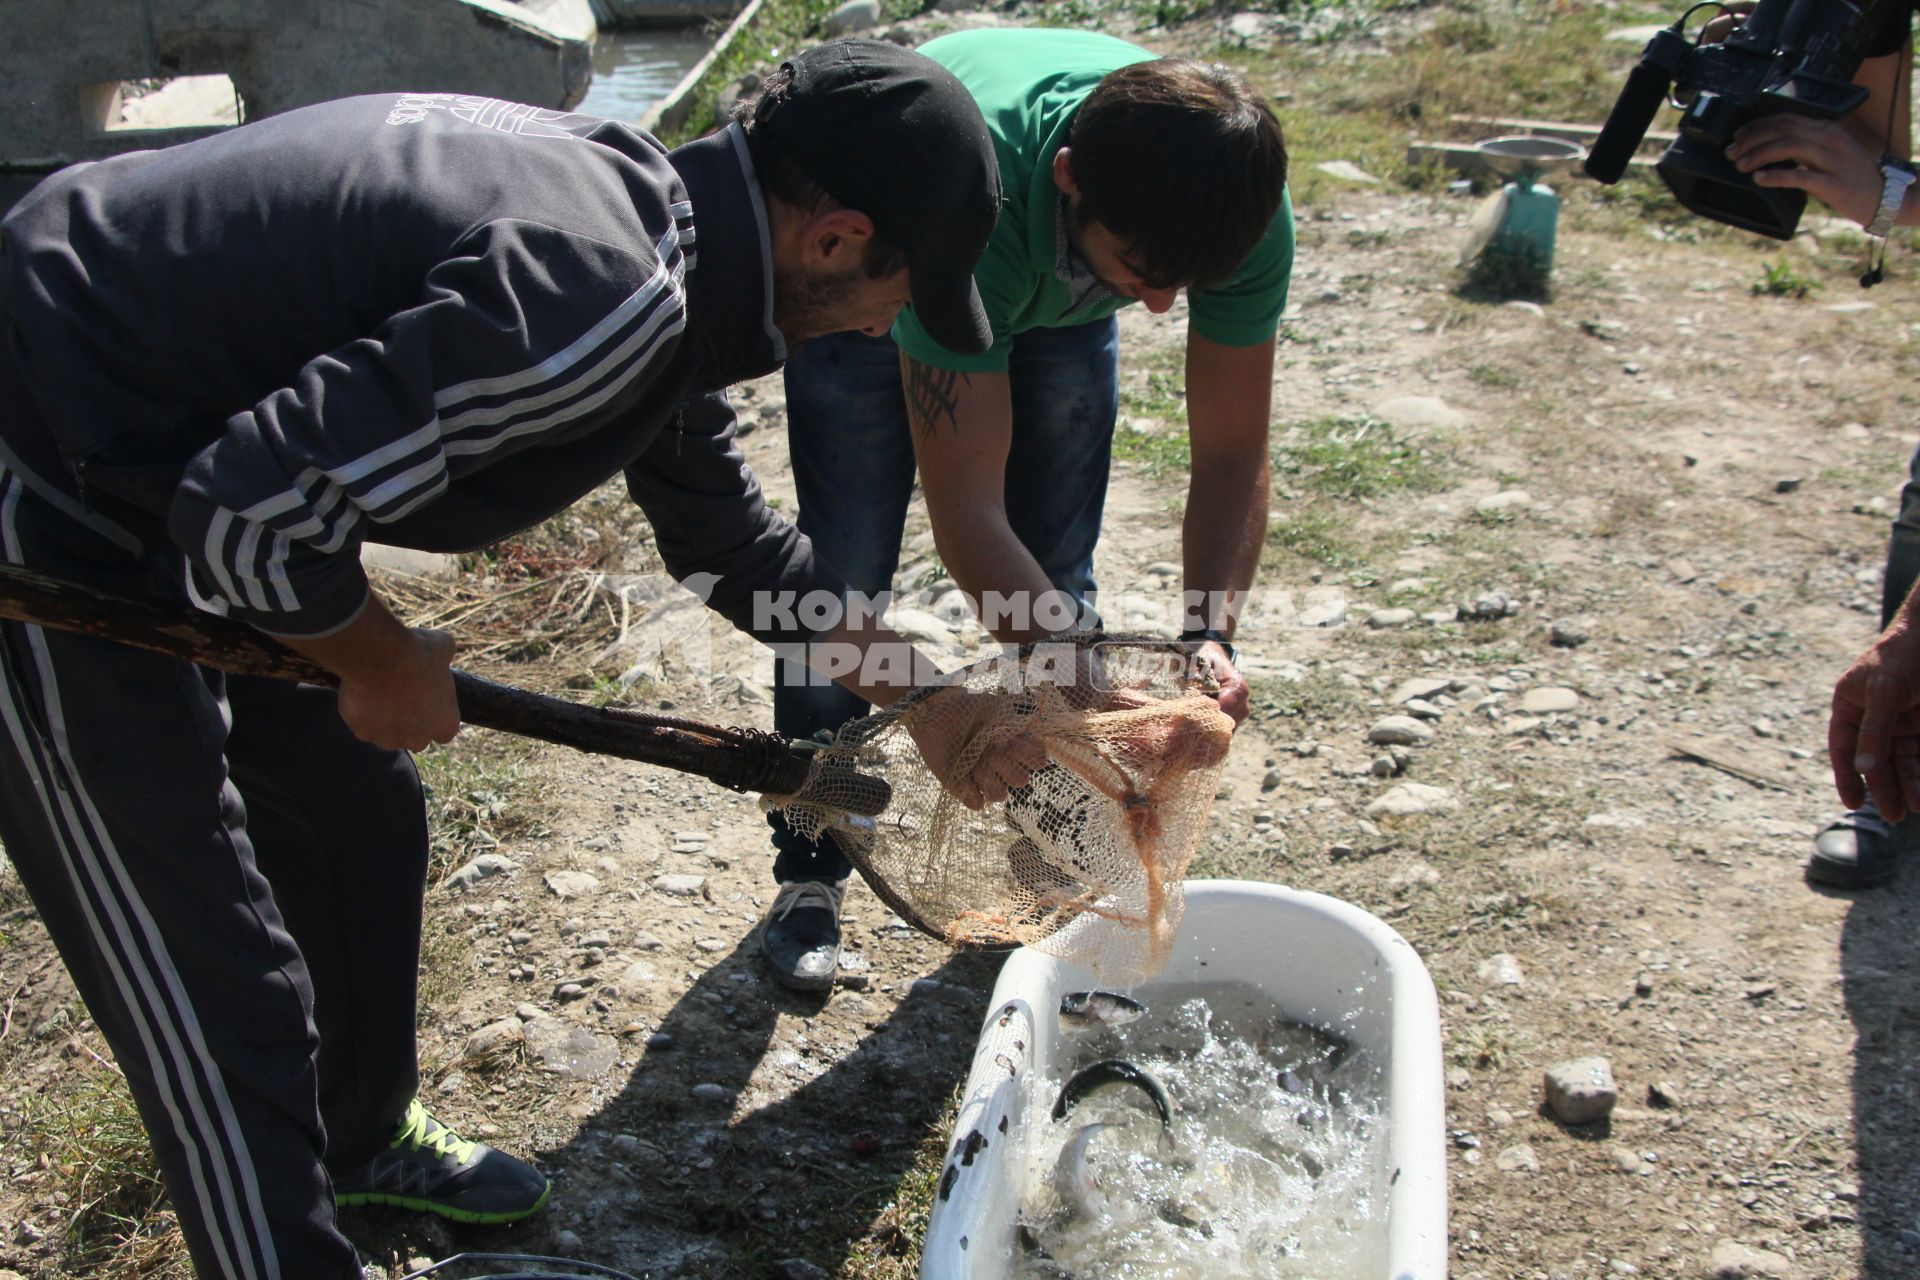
933 396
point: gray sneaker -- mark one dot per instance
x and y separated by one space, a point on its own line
1857 850
430 1168
801 936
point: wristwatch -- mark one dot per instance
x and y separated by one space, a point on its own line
1898 176
1219 637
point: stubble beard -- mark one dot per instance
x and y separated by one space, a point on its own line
810 304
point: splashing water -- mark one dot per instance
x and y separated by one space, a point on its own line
1275 1168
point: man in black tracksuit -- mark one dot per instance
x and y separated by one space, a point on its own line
422 320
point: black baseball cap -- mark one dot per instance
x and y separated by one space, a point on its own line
891 133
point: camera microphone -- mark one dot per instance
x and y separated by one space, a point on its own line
1639 101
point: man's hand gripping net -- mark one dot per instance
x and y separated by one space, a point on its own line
1085 859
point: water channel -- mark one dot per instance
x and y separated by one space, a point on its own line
634 70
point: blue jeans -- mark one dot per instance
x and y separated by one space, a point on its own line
853 468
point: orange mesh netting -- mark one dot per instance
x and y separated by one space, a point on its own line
1085 861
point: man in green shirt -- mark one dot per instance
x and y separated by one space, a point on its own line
1128 178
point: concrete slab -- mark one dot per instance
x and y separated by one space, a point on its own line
278 54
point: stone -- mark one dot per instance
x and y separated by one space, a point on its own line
1489 605
1388 619
1347 170
565 1050
571 884
493 1042
1419 687
1581 1090
1732 1260
1404 730
1411 799
1568 635
1665 1095
1418 412
1548 699
711 1092
953 608
1420 875
922 628
635 979
408 562
1787 484
1323 609
851 17
682 886
1518 1158
1505 500
644 941
1424 710
481 868
1501 970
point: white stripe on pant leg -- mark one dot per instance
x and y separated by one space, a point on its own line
150 1015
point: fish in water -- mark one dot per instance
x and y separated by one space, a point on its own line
1114 1071
1073 1179
1083 1011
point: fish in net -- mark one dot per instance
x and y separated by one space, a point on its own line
1085 860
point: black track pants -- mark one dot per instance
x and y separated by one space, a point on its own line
234 882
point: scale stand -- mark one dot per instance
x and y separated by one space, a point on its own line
1510 241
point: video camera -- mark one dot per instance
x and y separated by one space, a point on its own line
1788 55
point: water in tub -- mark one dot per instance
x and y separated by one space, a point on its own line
1270 1165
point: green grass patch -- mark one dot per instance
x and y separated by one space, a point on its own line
1153 430
1312 538
1318 696
781 27
1356 457
1156 450
477 797
1782 279
91 1157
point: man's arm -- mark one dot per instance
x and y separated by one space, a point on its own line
1229 404
962 431
396 683
1837 162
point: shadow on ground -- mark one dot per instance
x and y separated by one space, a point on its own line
1880 964
662 1182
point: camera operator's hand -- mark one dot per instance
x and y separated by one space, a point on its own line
1832 163
1723 26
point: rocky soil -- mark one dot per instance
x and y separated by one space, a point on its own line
1541 563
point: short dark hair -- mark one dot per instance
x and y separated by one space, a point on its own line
782 178
1182 160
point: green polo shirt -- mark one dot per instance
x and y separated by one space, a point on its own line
1029 82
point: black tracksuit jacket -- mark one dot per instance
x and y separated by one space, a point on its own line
426 320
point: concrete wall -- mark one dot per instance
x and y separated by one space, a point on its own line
63 59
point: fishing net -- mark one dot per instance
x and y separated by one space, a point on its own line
1085 861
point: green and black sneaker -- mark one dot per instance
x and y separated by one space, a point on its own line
431 1168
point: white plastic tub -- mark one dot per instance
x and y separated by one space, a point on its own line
1325 962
